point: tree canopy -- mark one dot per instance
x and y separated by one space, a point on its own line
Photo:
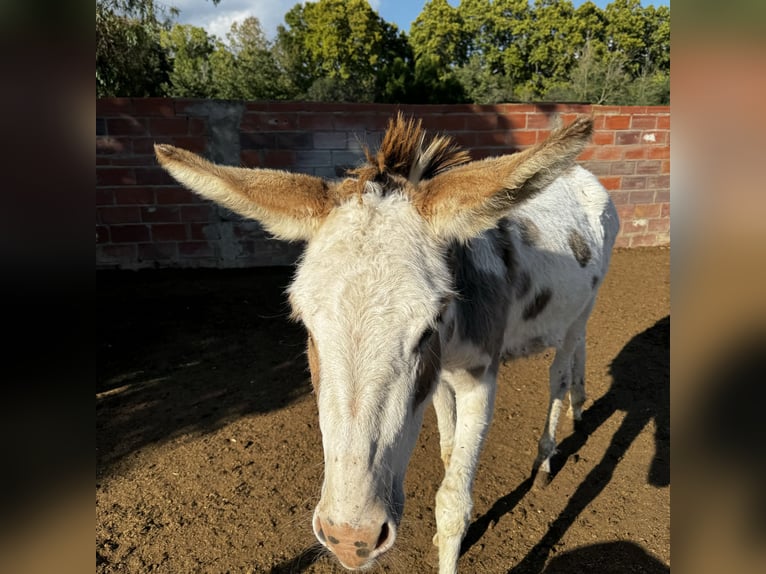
480 51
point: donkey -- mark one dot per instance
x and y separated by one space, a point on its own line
422 271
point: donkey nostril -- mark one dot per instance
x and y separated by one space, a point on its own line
383 536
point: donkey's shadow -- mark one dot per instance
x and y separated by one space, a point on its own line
640 388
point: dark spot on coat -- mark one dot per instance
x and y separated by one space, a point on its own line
529 232
579 247
362 552
429 365
594 281
536 306
523 284
333 540
360 544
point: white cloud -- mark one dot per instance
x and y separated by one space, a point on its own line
218 19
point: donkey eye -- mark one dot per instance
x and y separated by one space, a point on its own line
424 338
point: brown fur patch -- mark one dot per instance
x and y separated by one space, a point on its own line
579 247
469 199
537 305
404 156
530 233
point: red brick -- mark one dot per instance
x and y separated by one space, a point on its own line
113 145
622 167
608 153
665 210
634 182
113 106
663 122
646 240
490 138
197 127
599 122
611 182
626 211
278 158
160 214
622 241
617 122
157 251
603 138
619 197
464 139
124 253
175 195
153 176
635 153
512 121
637 197
163 107
127 126
665 166
269 122
204 231
659 225
134 196
106 176
538 121
251 158
360 122
193 249
129 233
662 196
129 214
627 138
102 234
631 226
648 167
447 122
588 153
643 122
313 122
658 182
202 212
169 232
104 196
658 152
169 126
523 137
648 210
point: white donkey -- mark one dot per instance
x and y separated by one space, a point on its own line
422 271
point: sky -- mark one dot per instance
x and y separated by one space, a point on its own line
218 19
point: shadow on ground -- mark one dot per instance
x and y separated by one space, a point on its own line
187 351
640 388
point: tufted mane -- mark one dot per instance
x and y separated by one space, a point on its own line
403 153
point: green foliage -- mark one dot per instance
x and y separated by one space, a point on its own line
482 51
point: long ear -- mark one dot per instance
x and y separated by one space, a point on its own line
289 205
469 199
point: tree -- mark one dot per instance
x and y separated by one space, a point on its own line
129 58
245 68
189 49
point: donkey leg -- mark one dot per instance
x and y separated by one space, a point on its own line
577 394
444 405
568 365
474 400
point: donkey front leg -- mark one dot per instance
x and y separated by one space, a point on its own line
474 398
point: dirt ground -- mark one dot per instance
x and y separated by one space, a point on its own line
209 458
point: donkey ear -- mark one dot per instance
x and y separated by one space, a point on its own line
289 205
469 199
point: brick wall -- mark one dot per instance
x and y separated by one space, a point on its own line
145 219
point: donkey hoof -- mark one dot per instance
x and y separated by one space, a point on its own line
542 479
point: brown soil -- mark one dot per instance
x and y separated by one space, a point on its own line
209 457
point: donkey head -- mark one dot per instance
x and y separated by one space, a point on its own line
373 289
